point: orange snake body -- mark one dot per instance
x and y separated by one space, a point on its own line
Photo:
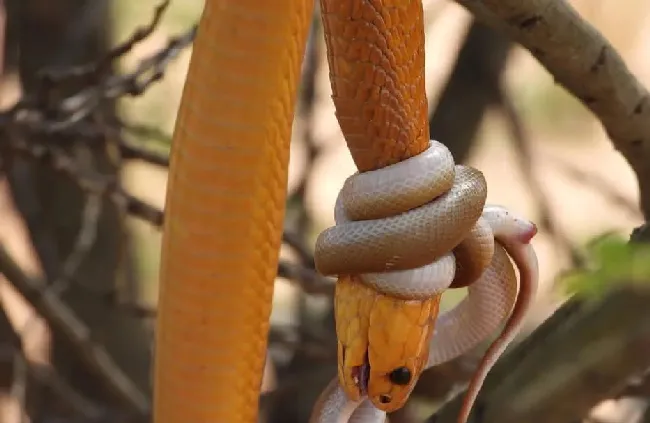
227 188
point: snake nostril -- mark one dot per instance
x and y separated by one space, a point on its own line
384 399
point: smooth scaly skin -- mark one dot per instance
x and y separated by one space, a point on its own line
333 406
489 302
377 82
224 211
376 57
363 243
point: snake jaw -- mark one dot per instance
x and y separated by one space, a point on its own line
353 377
353 302
361 377
377 336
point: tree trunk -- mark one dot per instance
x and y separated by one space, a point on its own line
61 34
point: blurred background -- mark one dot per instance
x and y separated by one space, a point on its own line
85 154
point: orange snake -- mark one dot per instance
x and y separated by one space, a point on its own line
227 189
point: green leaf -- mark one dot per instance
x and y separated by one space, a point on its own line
611 260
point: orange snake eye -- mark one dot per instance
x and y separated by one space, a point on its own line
400 376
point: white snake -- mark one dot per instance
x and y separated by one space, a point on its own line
421 197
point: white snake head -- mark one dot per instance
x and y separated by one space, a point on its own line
383 343
508 227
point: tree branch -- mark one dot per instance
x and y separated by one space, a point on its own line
50 306
585 63
585 353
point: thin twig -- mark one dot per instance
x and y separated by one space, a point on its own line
19 387
145 131
98 184
95 70
57 313
72 111
83 243
132 151
47 376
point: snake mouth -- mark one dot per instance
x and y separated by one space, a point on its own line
361 376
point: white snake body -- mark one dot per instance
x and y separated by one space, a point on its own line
357 244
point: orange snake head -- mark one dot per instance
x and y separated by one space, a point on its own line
383 342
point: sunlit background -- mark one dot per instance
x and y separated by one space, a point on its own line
584 182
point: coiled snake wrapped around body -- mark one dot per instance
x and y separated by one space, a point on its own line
435 211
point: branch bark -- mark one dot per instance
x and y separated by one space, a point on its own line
580 356
63 319
585 63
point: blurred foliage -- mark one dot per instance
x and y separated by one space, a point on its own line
611 261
